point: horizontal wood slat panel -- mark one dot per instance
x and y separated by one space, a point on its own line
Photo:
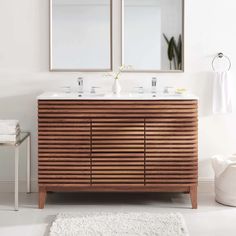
173 129
170 150
131 167
62 126
169 133
85 172
170 138
125 138
118 150
187 180
170 142
155 154
171 146
120 155
165 124
64 181
120 176
114 159
124 180
115 129
68 150
167 172
63 142
53 176
118 114
119 133
157 164
66 154
159 168
78 159
149 121
152 161
79 168
49 146
62 129
118 144
118 172
134 106
170 176
61 163
116 185
103 171
63 138
64 133
113 110
121 164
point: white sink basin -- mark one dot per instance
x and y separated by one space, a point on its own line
110 96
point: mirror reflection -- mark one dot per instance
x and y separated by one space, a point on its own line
81 35
153 35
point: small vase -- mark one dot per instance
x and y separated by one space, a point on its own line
116 88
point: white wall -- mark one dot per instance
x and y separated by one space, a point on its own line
24 59
81 34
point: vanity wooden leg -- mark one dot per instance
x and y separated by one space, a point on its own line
42 197
193 196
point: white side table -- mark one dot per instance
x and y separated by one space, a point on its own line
24 136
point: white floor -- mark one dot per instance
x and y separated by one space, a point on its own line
211 219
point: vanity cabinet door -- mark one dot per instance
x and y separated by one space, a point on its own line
117 152
171 145
63 145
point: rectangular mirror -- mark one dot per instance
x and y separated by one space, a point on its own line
80 35
152 35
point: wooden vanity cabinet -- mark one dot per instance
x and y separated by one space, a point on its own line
112 145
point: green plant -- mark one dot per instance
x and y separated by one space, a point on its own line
174 52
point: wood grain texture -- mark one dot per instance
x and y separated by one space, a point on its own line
118 146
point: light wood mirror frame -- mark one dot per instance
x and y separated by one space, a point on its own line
152 71
76 69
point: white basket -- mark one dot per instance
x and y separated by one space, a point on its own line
225 179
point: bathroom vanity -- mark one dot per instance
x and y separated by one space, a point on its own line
127 143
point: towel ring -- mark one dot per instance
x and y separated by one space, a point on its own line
221 55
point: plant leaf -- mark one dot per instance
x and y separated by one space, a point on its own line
175 47
176 54
180 50
166 39
171 49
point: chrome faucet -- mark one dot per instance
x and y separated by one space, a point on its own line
154 85
80 82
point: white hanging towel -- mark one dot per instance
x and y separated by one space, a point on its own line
222 102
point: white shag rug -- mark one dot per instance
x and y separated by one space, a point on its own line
119 224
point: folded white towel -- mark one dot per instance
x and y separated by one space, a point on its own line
9 127
9 130
9 138
222 102
9 122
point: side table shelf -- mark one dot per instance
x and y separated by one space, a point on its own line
24 136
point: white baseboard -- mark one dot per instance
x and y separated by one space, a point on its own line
8 186
204 186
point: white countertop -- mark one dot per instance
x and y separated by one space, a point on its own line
124 96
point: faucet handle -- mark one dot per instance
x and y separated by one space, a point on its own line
154 81
80 82
139 89
154 85
93 89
